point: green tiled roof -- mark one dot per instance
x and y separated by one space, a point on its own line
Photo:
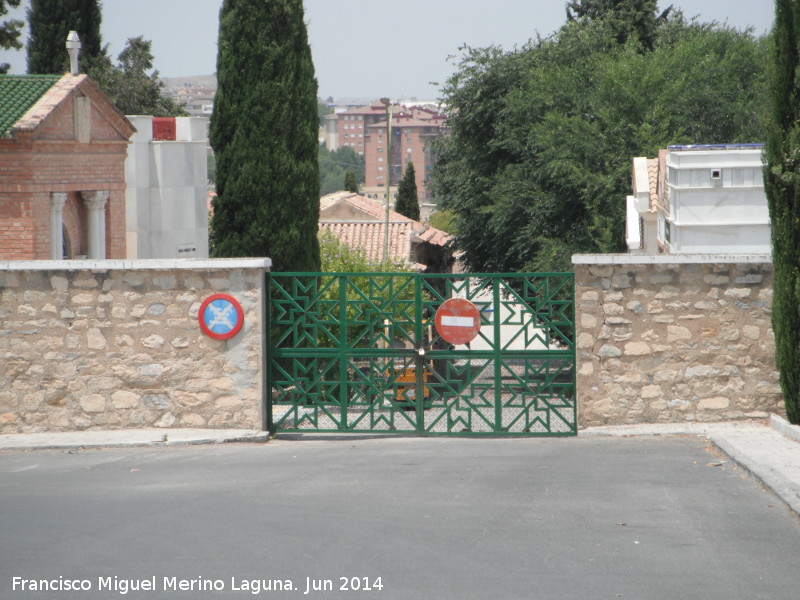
18 93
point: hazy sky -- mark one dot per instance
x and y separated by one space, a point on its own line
369 48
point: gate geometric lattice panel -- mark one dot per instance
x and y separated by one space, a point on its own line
360 352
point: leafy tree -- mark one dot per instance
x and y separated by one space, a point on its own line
264 132
407 202
10 31
350 184
782 183
443 220
129 85
334 165
50 21
537 165
338 257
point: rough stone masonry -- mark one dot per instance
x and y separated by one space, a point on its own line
117 344
674 339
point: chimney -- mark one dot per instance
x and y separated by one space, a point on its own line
73 49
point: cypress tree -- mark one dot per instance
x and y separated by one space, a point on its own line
264 134
407 203
627 18
782 184
50 21
350 184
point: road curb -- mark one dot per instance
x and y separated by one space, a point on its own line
783 426
129 439
740 452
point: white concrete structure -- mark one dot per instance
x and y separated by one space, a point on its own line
702 200
167 193
641 216
715 200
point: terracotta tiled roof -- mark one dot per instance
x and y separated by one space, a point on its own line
652 176
18 94
368 237
373 109
434 236
370 208
364 227
406 121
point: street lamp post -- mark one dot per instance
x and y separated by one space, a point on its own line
388 104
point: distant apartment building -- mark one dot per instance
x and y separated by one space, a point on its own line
351 125
413 128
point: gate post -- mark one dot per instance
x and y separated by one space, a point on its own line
419 359
266 374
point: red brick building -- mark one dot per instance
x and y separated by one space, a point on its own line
63 145
351 125
412 131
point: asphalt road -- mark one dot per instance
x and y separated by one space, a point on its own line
573 518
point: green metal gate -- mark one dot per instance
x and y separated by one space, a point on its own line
359 352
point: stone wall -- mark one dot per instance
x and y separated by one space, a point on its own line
674 338
115 344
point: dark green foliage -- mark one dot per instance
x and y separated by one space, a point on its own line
628 19
49 23
350 184
444 220
538 163
407 202
129 85
782 184
9 31
264 132
334 166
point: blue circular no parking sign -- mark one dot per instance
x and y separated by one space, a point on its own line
220 316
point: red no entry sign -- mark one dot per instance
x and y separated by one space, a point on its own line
458 321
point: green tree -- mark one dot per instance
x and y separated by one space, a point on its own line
50 21
350 184
338 257
443 220
133 90
334 165
9 31
782 184
264 132
407 201
628 18
537 165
